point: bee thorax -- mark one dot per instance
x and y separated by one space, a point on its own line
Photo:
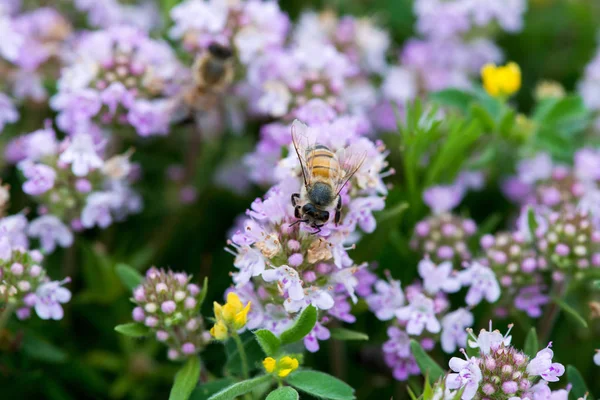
321 194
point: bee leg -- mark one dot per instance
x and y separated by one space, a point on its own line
297 212
338 210
295 198
318 228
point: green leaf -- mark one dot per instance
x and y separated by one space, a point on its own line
302 327
531 343
186 379
427 365
129 276
40 349
570 311
596 284
320 384
203 292
254 354
283 393
507 123
531 222
453 98
347 334
240 388
487 121
204 390
133 329
268 341
579 388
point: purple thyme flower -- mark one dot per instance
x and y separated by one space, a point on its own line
387 299
97 210
482 282
467 375
543 366
8 112
288 281
530 299
50 231
438 278
443 198
419 315
48 299
81 154
40 178
453 329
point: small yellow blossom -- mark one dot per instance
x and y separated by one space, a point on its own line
232 316
286 365
283 367
501 81
269 363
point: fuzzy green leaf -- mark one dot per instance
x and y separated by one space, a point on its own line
204 390
186 380
129 276
133 329
427 365
347 334
531 221
240 388
570 311
203 292
268 341
321 385
302 327
531 343
283 393
453 98
596 284
579 388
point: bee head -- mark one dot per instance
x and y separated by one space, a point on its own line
314 213
219 51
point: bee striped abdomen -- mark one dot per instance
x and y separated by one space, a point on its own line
323 162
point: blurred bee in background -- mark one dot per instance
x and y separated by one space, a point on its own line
213 72
325 174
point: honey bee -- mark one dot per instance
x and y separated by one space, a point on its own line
325 174
212 73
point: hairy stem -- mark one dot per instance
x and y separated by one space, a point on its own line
552 311
240 347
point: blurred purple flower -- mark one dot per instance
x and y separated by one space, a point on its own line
419 315
48 299
50 231
443 198
40 178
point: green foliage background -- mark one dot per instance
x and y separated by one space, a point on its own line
82 357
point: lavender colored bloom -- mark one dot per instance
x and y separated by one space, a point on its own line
12 40
530 299
442 198
97 210
535 169
543 366
49 297
453 329
387 299
150 117
143 14
8 112
597 358
288 279
438 278
419 315
482 282
587 164
490 341
13 233
400 85
81 154
50 231
467 375
311 341
40 178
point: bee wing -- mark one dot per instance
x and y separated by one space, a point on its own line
301 144
350 161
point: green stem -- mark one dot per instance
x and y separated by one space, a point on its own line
550 316
5 315
240 347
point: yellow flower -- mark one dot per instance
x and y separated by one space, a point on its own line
231 316
283 367
501 81
286 365
219 331
269 364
